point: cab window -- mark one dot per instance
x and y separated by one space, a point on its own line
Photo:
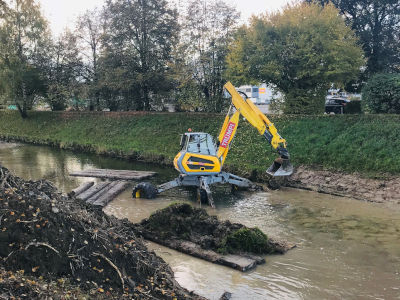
202 144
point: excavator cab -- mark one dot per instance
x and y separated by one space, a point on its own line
198 155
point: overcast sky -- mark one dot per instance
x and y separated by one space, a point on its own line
63 13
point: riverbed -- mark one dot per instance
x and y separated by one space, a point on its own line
347 249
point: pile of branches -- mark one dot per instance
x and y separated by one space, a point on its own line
48 235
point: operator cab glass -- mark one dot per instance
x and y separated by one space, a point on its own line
200 143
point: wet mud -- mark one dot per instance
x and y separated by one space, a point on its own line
346 185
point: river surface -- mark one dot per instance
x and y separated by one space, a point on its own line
347 249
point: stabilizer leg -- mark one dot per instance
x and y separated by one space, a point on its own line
169 185
204 186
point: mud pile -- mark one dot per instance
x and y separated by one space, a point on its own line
48 236
181 221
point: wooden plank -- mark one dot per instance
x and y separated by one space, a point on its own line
81 188
111 194
93 190
101 192
114 174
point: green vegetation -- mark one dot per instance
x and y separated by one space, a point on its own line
248 240
368 144
353 107
381 94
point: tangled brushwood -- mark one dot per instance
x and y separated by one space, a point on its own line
47 237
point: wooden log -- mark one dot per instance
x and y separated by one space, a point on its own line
114 174
80 189
101 192
241 262
111 194
93 190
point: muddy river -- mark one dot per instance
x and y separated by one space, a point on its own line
347 249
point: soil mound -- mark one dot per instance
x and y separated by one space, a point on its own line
181 221
49 236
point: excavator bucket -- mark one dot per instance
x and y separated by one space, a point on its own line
280 167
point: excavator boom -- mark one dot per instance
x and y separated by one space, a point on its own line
246 108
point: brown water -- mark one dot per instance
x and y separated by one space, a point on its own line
347 249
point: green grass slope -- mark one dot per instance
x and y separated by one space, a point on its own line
368 144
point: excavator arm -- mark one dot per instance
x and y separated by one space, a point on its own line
246 108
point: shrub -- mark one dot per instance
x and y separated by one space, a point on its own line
381 94
248 240
353 107
299 101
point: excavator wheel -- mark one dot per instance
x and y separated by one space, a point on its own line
144 190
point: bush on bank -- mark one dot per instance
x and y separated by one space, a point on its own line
381 94
368 144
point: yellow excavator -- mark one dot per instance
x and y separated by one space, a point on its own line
201 159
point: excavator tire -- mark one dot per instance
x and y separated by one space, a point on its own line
144 190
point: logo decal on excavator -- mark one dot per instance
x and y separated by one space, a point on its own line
228 133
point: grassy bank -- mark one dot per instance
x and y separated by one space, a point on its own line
368 144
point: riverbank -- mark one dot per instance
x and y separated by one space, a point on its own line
324 146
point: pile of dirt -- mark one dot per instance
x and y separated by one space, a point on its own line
51 237
181 221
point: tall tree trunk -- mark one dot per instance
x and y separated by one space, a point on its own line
146 99
97 101
22 110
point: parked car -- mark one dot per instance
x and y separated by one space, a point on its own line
335 105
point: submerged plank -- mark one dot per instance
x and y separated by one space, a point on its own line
93 190
108 196
80 189
114 174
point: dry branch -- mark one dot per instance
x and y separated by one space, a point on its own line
37 244
112 265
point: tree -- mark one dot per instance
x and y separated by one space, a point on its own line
381 94
64 71
23 40
89 31
301 50
138 43
208 29
377 24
